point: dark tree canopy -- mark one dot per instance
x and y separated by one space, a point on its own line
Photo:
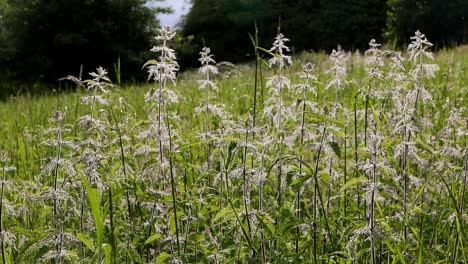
444 22
43 40
53 38
224 25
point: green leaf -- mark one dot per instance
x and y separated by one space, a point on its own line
85 240
422 145
325 118
266 222
353 182
376 116
297 183
163 258
222 213
268 52
417 210
264 62
28 248
152 238
172 224
336 148
150 62
108 253
94 201
325 177
185 146
142 123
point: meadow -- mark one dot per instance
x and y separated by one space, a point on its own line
304 158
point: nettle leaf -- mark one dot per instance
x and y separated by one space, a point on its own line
270 226
324 118
297 183
152 239
353 182
143 123
223 213
150 62
163 258
325 177
336 148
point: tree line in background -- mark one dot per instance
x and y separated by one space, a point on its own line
43 40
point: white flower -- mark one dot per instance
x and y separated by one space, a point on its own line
279 47
418 47
338 69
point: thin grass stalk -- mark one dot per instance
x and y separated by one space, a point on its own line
1 211
60 245
82 198
124 168
112 226
365 119
365 130
207 144
257 58
345 200
405 182
461 205
371 210
56 174
260 209
229 199
262 88
356 160
308 69
298 194
244 232
173 189
314 200
187 229
57 166
244 179
254 118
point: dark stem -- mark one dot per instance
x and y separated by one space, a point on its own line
1 212
112 227
173 190
244 183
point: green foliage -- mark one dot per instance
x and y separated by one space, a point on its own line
444 22
311 24
52 39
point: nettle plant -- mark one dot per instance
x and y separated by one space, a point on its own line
342 159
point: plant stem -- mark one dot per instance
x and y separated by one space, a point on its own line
316 190
298 194
173 188
461 204
1 211
244 180
112 226
371 210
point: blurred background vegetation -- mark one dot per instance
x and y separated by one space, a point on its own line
44 40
